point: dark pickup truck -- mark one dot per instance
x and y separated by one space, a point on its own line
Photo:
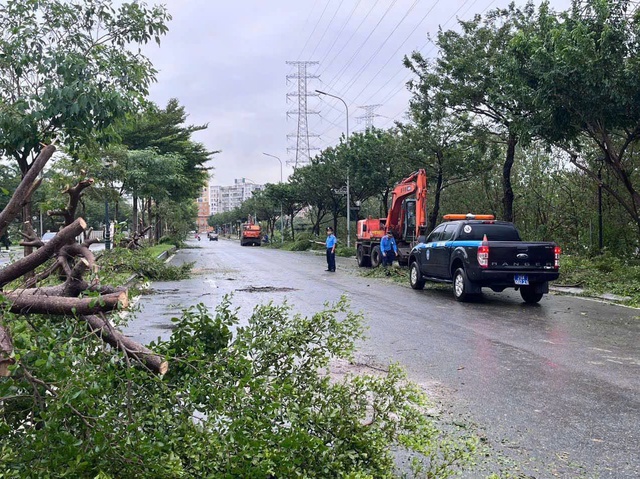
477 253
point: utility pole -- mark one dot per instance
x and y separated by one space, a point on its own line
346 107
302 148
369 115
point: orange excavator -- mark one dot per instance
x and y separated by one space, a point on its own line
406 220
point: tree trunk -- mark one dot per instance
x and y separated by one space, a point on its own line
62 305
6 349
507 191
435 212
23 192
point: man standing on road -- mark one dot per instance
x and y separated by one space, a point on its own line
389 250
330 243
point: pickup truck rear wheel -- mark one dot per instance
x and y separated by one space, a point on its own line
460 290
376 257
415 277
529 294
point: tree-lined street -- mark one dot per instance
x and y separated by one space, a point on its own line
553 387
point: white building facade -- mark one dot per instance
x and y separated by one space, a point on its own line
227 198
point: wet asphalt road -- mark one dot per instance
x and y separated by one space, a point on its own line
554 387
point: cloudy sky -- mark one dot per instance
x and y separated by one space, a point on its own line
225 61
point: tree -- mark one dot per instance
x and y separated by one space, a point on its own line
162 156
66 72
580 70
446 144
472 75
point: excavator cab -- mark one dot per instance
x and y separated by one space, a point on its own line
409 220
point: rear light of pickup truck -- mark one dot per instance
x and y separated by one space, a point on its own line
557 251
483 253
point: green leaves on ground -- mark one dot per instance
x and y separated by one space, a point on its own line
256 400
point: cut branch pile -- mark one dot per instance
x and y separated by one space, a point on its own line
75 296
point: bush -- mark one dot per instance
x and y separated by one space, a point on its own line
604 273
254 403
140 262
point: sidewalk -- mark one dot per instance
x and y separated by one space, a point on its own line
577 291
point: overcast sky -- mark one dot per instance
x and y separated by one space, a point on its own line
225 61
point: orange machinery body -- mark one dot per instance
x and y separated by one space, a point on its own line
407 219
251 234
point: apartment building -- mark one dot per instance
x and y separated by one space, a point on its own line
203 209
216 199
227 198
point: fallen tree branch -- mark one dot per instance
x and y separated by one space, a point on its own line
74 192
61 305
29 263
103 329
24 190
69 290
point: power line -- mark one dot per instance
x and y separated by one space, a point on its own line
348 63
349 40
314 29
355 77
327 28
340 32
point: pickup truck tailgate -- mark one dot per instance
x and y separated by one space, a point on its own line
515 255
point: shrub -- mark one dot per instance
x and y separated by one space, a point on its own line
254 403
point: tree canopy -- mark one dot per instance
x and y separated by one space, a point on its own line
67 70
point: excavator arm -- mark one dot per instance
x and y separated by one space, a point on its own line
415 185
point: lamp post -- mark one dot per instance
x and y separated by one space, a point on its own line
347 140
107 229
281 227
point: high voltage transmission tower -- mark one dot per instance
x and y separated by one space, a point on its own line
369 115
302 147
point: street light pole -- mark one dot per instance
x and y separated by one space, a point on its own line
347 141
281 226
107 229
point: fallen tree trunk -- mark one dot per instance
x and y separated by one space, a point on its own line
39 304
29 263
64 290
103 329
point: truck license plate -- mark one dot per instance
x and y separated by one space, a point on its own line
521 279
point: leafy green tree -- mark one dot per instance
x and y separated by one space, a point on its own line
164 130
316 180
291 197
472 75
580 71
160 162
66 70
448 146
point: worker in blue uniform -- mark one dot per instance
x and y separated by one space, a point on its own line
389 250
331 250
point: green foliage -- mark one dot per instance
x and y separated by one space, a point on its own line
142 263
300 244
604 273
67 71
250 401
345 252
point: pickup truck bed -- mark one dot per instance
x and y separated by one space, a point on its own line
473 254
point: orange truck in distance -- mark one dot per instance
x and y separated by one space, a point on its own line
251 234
